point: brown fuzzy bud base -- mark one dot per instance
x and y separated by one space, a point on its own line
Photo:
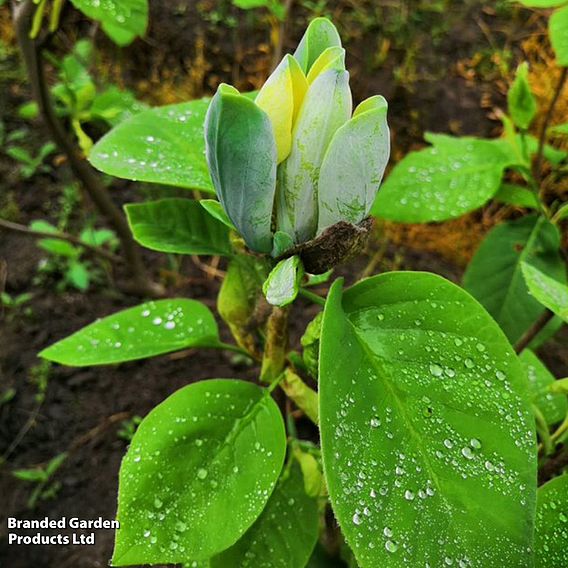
333 247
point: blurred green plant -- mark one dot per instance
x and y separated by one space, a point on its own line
44 488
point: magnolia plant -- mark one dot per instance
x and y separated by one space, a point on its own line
422 441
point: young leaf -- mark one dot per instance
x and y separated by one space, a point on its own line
285 533
443 182
215 209
517 195
179 226
551 518
558 30
198 473
238 297
548 291
122 20
283 283
161 145
353 166
241 153
521 101
145 331
326 107
494 276
552 406
423 466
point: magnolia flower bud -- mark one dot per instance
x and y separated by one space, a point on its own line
295 161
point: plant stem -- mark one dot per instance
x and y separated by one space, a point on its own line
547 119
533 331
276 345
312 297
16 227
33 57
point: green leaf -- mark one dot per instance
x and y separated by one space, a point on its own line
326 107
551 520
558 30
353 167
59 247
161 145
517 195
454 177
416 383
495 278
542 3
521 101
78 275
199 471
559 129
178 225
122 20
239 295
548 291
215 209
552 406
285 533
147 330
283 283
241 153
115 106
33 475
55 463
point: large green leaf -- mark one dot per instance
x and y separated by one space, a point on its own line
122 20
241 153
558 29
285 533
147 330
427 439
495 278
353 166
161 145
551 529
457 175
198 473
548 291
180 226
553 407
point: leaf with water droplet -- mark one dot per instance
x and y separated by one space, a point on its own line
548 291
494 276
163 145
285 533
151 329
552 406
551 527
197 485
455 176
423 472
122 20
179 226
